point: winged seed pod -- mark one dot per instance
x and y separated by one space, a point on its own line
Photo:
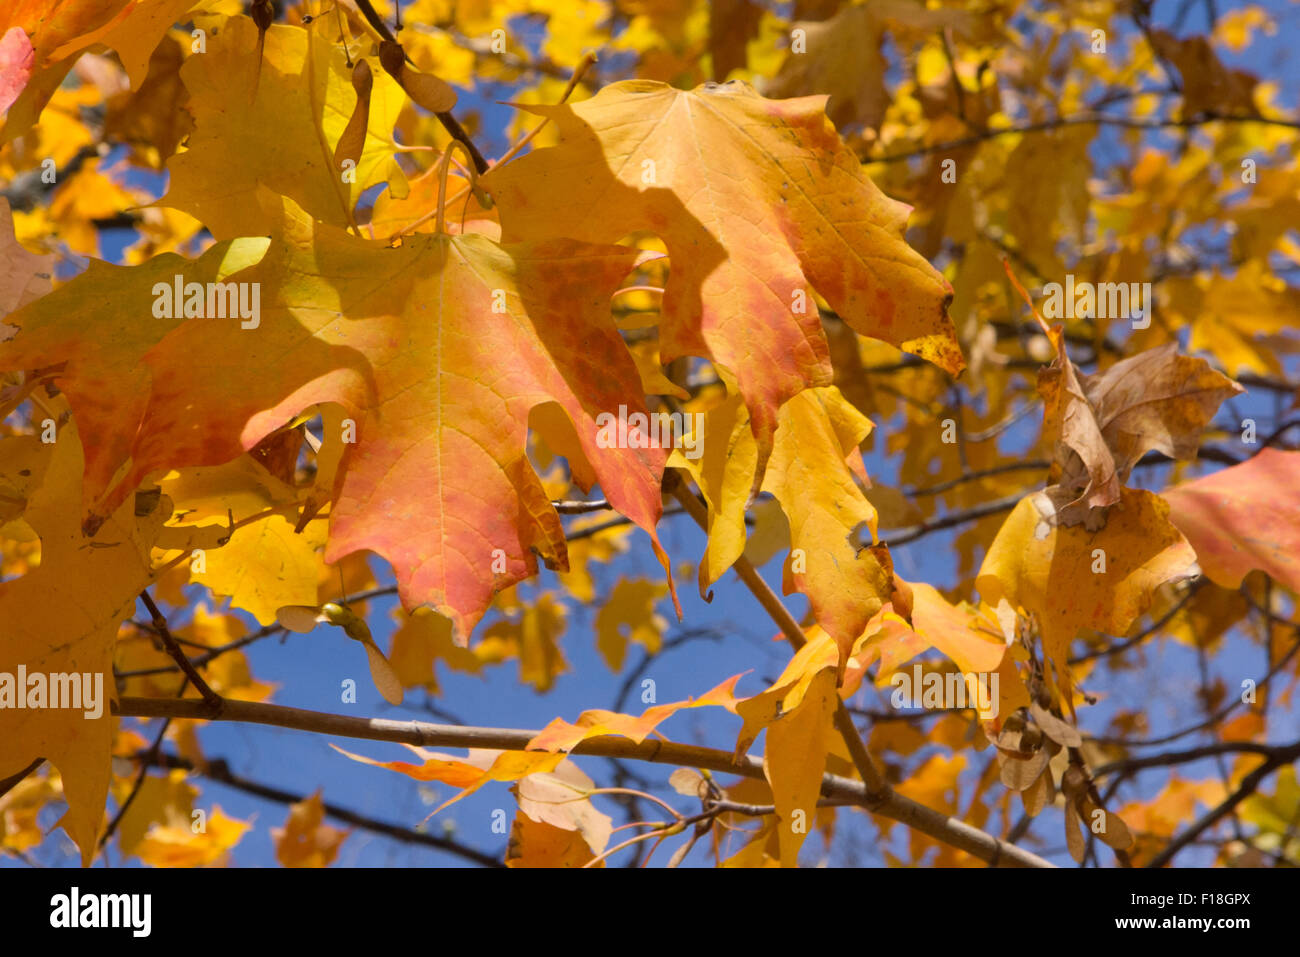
304 618
425 89
353 140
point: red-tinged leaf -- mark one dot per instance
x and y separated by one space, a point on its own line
1244 517
444 768
470 773
758 202
16 58
560 735
438 350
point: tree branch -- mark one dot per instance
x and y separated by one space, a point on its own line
448 121
1244 790
1102 119
1127 766
897 807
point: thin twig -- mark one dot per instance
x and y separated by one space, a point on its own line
1125 122
1249 784
218 769
210 697
11 782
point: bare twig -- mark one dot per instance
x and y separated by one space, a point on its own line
210 697
11 782
1245 789
1099 119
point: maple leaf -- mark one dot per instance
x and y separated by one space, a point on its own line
1157 399
166 800
732 24
61 30
533 637
108 389
562 799
759 203
560 735
814 473
1207 85
1244 517
24 276
1071 578
538 843
228 674
60 619
797 713
306 840
1239 319
411 342
152 118
842 55
305 100
967 636
628 615
458 772
1101 425
421 639
264 564
1081 462
182 846
479 767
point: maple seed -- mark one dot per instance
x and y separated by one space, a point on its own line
425 89
304 618
351 144
392 57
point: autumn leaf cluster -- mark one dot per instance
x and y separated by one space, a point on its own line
371 325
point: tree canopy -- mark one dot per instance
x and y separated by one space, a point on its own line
561 353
